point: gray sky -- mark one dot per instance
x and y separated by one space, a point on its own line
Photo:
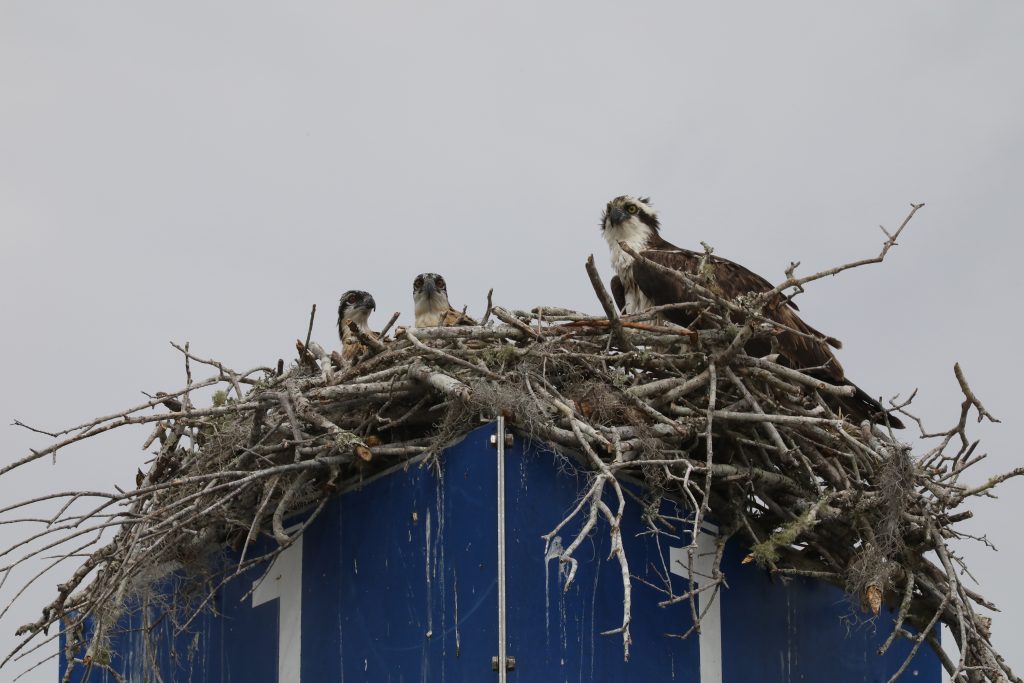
207 171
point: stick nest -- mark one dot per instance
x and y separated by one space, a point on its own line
752 442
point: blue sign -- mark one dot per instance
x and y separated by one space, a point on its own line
397 581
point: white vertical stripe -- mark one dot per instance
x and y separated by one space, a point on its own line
502 654
711 623
283 582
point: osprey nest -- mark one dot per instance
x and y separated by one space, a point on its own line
757 444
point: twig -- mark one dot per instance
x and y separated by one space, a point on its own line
510 319
490 308
609 307
391 321
889 243
309 330
982 413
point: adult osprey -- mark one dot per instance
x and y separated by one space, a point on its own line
637 286
430 297
355 306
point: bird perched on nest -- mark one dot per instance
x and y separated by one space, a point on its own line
637 286
354 307
430 297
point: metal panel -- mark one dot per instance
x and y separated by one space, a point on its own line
398 582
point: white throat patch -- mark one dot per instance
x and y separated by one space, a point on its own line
635 234
359 316
430 310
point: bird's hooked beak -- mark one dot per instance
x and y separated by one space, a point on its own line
369 304
429 288
617 215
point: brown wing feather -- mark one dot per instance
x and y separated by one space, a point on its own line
731 280
618 292
453 318
351 347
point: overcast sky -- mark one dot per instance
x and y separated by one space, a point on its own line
206 171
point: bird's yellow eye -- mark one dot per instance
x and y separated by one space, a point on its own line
418 283
631 208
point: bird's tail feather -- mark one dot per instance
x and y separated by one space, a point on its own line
862 406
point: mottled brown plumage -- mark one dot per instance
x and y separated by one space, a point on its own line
453 317
639 285
354 308
731 280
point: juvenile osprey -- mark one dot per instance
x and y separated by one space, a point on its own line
355 306
430 296
637 286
